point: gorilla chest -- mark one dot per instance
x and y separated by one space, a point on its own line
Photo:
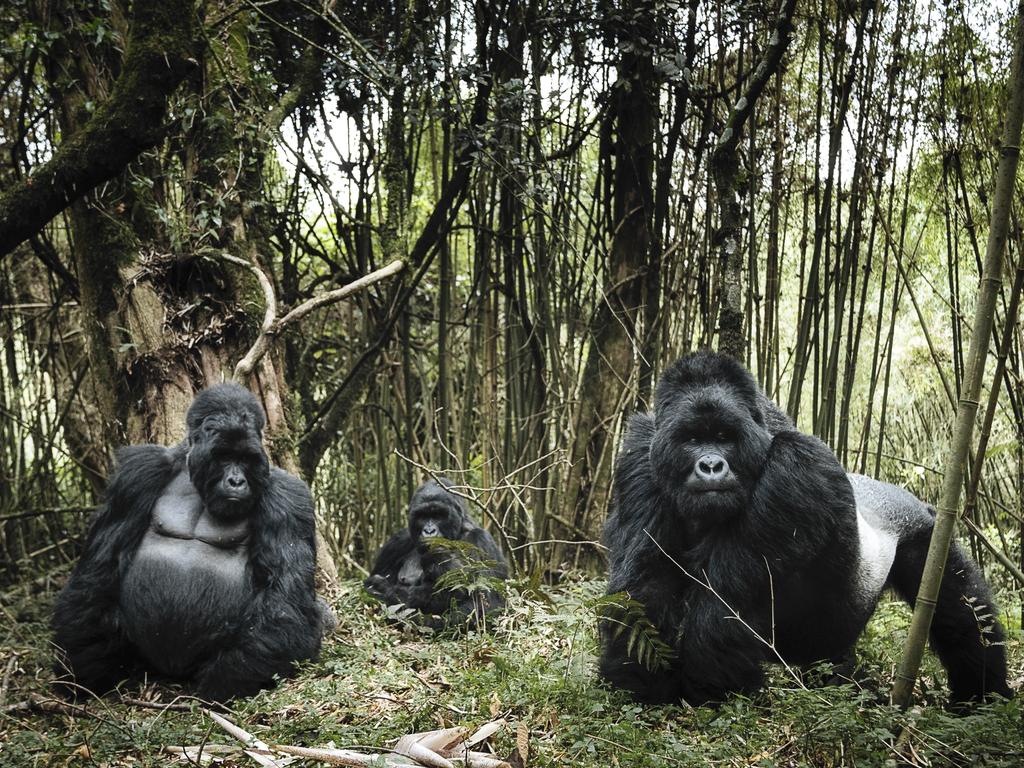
185 536
189 581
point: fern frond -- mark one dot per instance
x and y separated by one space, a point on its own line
617 613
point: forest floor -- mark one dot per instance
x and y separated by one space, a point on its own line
375 682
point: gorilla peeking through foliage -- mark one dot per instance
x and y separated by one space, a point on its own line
443 565
198 565
739 541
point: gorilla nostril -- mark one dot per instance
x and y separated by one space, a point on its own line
711 467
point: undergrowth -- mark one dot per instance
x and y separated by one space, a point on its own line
376 681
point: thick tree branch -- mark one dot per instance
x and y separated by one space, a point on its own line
159 54
724 169
272 325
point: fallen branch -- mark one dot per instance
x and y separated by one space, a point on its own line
331 756
436 741
256 749
425 756
444 748
36 702
483 733
450 747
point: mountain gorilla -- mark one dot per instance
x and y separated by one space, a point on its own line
728 522
198 565
413 561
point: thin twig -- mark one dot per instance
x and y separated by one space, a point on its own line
733 612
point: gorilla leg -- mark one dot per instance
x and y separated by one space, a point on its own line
964 634
255 660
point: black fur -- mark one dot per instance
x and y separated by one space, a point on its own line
766 518
223 592
412 561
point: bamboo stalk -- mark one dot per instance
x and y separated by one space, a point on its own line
967 409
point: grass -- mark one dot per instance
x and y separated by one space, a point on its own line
375 682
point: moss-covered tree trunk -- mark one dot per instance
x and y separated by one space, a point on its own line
160 49
163 314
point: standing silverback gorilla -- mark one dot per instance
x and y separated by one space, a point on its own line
412 561
767 518
198 565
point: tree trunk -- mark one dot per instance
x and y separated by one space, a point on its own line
610 368
159 54
725 170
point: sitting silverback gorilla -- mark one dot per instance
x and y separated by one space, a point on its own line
411 562
717 491
199 564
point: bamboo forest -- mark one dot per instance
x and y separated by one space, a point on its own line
508 383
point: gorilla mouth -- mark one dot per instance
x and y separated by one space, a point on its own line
227 504
702 499
704 489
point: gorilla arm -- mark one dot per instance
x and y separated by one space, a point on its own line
284 621
382 582
86 621
639 569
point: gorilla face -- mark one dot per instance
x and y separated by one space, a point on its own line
226 461
434 511
431 521
709 442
